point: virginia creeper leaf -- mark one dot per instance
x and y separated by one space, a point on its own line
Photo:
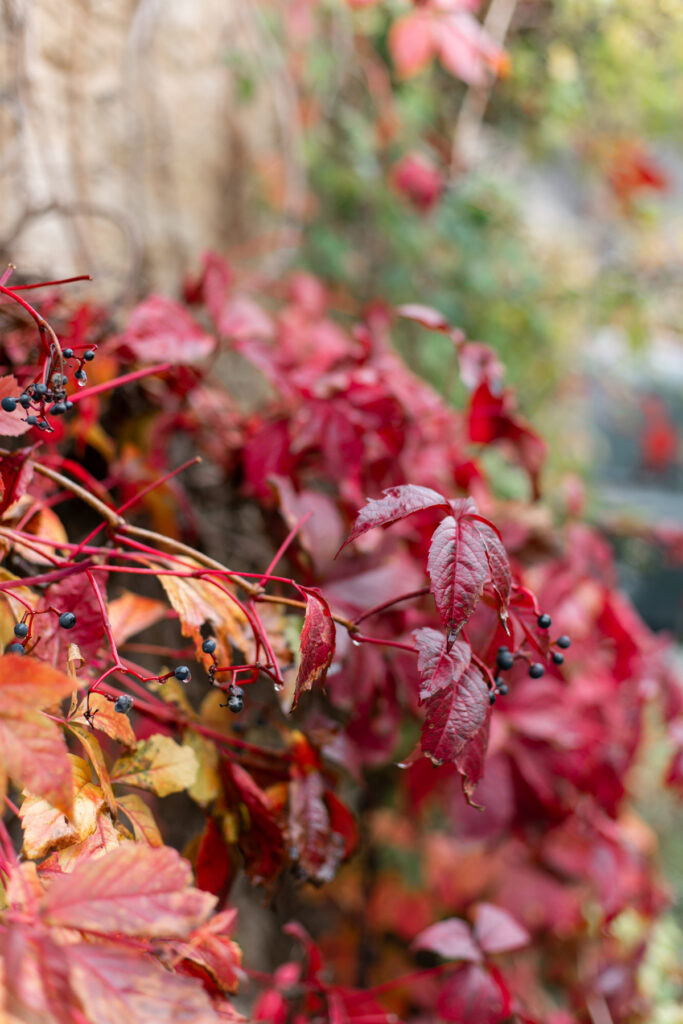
135 890
497 931
396 503
455 716
438 665
141 818
317 644
451 939
457 568
12 424
319 850
159 764
472 996
161 330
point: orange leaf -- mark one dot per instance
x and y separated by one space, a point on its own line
106 719
94 751
410 43
141 818
32 749
135 890
131 613
47 828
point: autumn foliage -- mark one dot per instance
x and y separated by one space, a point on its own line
420 698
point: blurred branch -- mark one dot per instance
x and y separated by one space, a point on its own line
465 146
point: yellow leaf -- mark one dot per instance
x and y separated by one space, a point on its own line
46 827
141 818
207 785
158 764
106 719
94 751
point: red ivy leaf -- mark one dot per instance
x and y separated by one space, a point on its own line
455 716
471 760
396 503
497 931
472 996
12 424
319 850
16 473
451 939
426 316
134 890
457 567
499 566
439 667
410 43
317 644
160 329
491 417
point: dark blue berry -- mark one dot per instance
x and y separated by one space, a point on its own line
9 404
544 621
89 355
536 670
21 630
492 697
68 353
182 673
564 642
123 704
41 389
24 400
558 657
15 649
504 660
235 703
67 620
58 409
81 375
69 404
32 420
502 689
209 646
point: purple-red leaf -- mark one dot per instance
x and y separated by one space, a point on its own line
471 760
472 996
439 667
319 850
317 644
160 329
455 716
499 565
497 931
396 503
451 939
426 316
458 568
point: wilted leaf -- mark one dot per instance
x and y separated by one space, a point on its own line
438 665
396 503
32 748
210 948
135 890
105 837
319 850
159 764
451 939
141 818
94 751
317 644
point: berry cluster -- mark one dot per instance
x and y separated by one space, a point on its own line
49 395
22 631
235 694
505 659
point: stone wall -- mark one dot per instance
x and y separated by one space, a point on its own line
123 151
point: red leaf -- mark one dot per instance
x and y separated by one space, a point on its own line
470 761
455 716
499 566
419 180
451 939
214 870
437 666
16 473
497 931
461 47
491 417
261 841
32 748
396 503
12 424
115 985
315 959
73 594
471 996
317 644
341 821
426 316
319 850
135 890
410 43
458 568
160 330
211 949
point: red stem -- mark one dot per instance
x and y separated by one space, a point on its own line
116 382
